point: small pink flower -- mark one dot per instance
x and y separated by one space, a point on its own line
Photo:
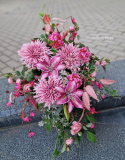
32 82
103 96
96 83
75 77
84 54
9 104
73 20
32 114
26 119
31 134
100 86
71 38
71 28
76 127
97 63
17 86
10 80
57 40
26 87
93 74
92 111
74 34
16 94
92 126
18 80
103 63
69 141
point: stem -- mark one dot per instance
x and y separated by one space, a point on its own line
81 116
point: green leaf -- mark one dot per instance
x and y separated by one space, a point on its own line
29 79
84 128
38 105
89 125
42 36
64 148
41 14
23 72
22 78
53 50
30 75
91 137
91 118
18 73
48 127
53 25
65 107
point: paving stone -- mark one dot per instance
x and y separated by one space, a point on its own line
4 58
13 63
118 53
2 65
23 23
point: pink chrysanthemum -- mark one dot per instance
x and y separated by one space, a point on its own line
33 53
57 40
69 56
46 90
84 54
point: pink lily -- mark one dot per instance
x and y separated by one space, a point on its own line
50 66
70 95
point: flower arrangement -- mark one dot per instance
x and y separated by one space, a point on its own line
59 80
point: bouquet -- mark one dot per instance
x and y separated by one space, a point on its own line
59 80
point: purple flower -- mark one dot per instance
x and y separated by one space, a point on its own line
70 95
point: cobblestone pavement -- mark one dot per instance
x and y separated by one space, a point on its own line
102 26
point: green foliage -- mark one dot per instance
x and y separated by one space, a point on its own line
91 118
7 75
18 73
48 127
65 107
91 137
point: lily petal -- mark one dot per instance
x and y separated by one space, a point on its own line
107 81
71 87
60 67
79 92
43 66
54 61
76 101
63 99
70 106
91 92
60 89
86 100
54 73
44 75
